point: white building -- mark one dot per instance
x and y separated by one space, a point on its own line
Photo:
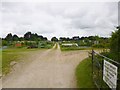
70 44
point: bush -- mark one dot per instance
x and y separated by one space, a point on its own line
115 44
4 43
102 45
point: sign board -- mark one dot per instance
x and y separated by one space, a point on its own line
110 74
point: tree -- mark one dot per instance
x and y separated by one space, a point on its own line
27 36
45 38
21 39
54 39
36 37
40 37
115 41
15 38
115 44
4 43
62 39
9 37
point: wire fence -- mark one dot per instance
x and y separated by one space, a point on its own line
97 70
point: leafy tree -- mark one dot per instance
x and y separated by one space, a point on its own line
27 36
65 39
15 38
4 43
45 38
62 39
21 39
40 38
54 39
115 41
9 37
34 37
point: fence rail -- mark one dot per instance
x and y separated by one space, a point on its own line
97 70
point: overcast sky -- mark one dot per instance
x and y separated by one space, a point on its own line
59 18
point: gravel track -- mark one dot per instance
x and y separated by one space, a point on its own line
46 69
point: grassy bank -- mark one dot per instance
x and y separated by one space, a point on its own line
74 48
78 48
12 54
84 74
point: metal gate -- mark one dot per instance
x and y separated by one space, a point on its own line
97 70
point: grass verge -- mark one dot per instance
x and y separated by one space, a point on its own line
12 54
84 74
73 48
78 48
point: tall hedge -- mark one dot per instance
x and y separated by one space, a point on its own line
115 43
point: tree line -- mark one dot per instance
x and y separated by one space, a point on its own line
27 36
35 37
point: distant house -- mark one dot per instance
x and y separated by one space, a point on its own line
90 41
18 45
70 44
76 38
96 42
83 41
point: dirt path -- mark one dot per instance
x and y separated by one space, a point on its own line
49 69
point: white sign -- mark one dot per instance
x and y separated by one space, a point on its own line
110 74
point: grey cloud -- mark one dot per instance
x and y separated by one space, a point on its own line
59 19
119 13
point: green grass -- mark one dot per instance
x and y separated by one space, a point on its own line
84 74
73 48
46 45
12 54
78 48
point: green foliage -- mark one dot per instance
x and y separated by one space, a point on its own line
115 41
101 45
64 48
115 44
4 43
64 39
34 37
15 38
90 41
45 44
29 43
54 39
9 37
21 39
